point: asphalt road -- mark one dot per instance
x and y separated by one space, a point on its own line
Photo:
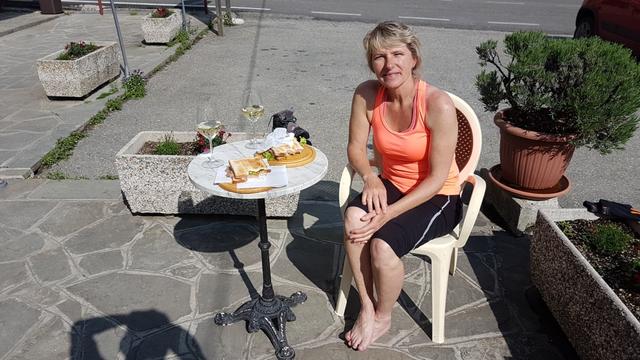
552 17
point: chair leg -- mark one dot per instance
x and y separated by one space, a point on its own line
345 286
454 261
440 262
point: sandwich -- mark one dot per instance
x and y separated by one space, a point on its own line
242 169
283 150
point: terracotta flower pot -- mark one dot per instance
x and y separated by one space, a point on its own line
529 159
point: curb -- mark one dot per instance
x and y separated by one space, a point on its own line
32 24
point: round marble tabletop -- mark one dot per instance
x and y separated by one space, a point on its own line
299 178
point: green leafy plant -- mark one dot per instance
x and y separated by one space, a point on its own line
108 177
114 104
75 50
168 146
227 20
108 93
63 149
161 12
609 239
588 88
134 85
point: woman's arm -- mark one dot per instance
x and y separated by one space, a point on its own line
444 134
374 194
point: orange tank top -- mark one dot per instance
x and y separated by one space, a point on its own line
405 154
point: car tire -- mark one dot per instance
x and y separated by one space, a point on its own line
585 27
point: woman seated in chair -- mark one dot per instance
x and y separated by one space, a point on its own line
416 197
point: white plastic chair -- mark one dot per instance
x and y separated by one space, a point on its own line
443 251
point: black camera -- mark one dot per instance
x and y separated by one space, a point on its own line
285 119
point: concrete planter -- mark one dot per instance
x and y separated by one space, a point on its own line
592 316
77 78
161 30
159 183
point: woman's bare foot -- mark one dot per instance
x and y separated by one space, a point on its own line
362 330
381 325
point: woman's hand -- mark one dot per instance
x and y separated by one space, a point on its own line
364 234
374 194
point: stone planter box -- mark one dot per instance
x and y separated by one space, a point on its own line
77 78
161 30
159 184
592 316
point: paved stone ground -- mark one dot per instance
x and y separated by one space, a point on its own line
30 123
82 278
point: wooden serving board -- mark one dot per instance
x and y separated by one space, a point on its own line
307 155
233 188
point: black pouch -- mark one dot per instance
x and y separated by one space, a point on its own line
613 210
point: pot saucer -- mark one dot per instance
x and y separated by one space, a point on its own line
561 188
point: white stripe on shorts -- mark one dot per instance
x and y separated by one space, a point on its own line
431 222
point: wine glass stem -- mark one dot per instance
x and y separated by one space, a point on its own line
210 149
255 135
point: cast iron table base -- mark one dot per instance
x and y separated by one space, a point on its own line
268 312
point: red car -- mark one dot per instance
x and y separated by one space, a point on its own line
613 20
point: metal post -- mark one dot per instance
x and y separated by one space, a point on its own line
227 4
124 54
264 245
184 16
219 18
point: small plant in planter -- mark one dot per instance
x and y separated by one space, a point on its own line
161 12
614 251
161 26
75 50
586 271
565 93
169 146
79 68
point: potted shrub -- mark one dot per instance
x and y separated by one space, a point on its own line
161 26
560 94
79 68
587 272
156 181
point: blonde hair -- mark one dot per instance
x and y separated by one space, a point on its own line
391 34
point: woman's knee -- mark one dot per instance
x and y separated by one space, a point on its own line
382 255
352 218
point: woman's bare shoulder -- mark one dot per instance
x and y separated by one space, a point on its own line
439 101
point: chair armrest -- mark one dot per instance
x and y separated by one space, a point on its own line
469 219
345 188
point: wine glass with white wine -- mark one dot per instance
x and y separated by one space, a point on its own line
253 110
207 127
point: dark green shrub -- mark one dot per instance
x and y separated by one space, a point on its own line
168 146
134 85
75 50
586 87
609 239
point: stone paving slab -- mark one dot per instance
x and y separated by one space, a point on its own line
31 123
84 276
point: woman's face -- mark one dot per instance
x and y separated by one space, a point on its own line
393 65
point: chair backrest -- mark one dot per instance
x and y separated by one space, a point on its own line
469 138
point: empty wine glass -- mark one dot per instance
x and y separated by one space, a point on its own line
207 127
253 110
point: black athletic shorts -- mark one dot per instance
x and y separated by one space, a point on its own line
434 218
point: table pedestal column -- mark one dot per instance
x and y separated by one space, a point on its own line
268 312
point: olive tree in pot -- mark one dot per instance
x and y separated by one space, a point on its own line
560 94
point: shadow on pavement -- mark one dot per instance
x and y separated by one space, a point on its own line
85 332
